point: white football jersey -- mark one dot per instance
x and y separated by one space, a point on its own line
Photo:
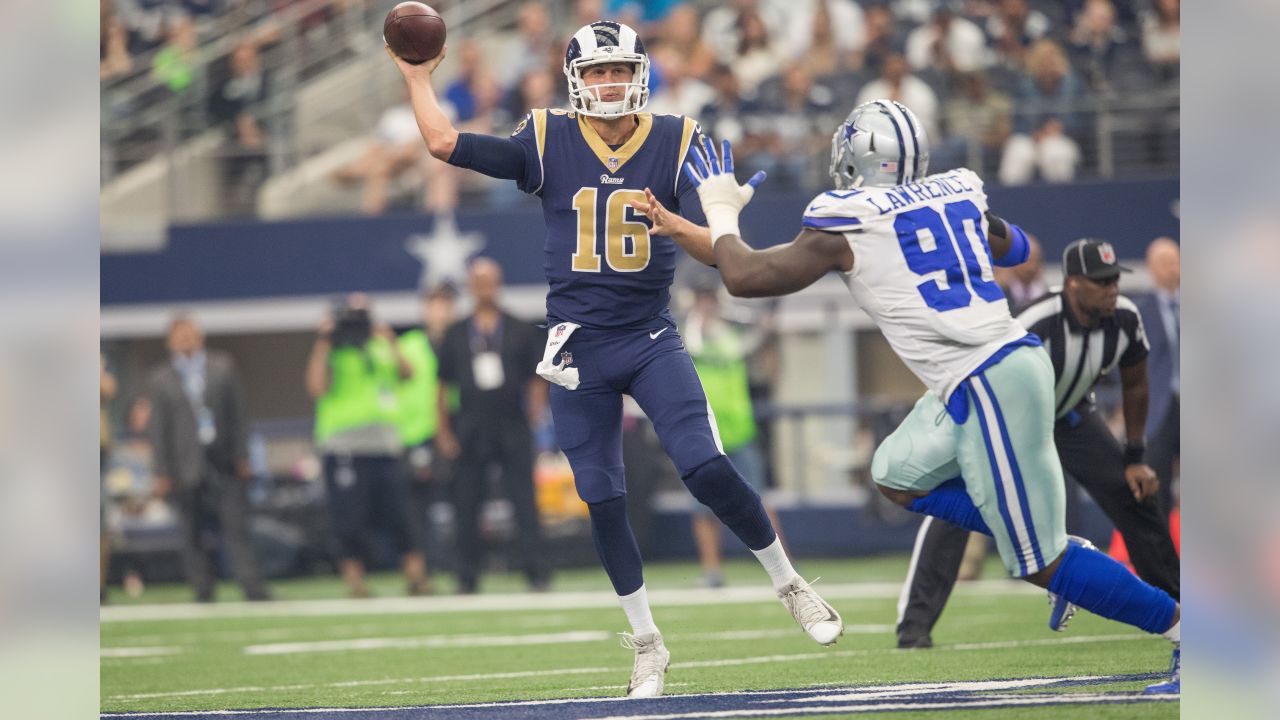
922 270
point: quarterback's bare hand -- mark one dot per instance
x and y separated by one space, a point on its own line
1142 481
664 221
422 70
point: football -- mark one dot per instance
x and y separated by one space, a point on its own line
414 32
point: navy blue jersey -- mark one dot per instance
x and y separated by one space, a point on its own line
604 268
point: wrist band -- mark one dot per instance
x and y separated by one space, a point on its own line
1134 454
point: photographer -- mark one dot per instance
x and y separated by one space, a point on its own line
353 371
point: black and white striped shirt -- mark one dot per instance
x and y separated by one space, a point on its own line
1082 355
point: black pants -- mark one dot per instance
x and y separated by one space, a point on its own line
1163 448
430 476
1089 453
512 452
218 506
367 493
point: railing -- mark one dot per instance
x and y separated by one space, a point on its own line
142 119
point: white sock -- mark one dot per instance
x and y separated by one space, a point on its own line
1174 633
636 606
775 562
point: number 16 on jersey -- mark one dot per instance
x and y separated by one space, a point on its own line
622 256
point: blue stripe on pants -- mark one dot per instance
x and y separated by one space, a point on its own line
995 474
1017 476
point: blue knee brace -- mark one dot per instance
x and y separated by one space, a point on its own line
718 485
1104 587
951 502
616 544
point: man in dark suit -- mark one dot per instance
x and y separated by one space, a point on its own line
199 433
1161 317
490 358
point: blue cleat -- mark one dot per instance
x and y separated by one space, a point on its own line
1062 610
1174 684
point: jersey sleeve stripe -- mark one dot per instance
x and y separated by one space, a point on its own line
686 137
540 135
826 223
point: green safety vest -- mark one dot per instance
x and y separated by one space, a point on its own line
417 395
723 371
362 385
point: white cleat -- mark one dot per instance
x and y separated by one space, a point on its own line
652 660
819 620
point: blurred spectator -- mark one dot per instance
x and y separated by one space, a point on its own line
913 12
1100 48
979 115
175 64
884 37
113 43
537 89
461 91
740 121
948 43
843 21
239 105
822 56
585 12
722 27
646 13
1161 33
759 53
1024 284
490 358
682 93
418 404
535 45
1014 27
1047 117
681 34
199 433
792 136
145 22
1161 319
720 351
106 393
895 83
396 148
353 372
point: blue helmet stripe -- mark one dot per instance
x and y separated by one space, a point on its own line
902 146
915 142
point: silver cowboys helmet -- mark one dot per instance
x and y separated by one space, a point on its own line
602 42
880 144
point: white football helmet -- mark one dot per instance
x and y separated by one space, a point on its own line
602 42
880 144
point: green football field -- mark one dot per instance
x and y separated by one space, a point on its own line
312 648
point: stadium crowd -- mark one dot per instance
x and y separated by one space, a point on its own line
1014 88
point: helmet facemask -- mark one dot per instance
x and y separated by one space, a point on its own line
585 98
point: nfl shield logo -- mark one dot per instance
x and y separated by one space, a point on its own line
559 330
613 164
1107 253
566 358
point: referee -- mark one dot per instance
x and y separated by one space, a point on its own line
1088 328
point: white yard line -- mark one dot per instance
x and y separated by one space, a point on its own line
727 662
463 641
137 652
671 597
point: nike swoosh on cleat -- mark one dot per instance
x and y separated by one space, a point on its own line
654 335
